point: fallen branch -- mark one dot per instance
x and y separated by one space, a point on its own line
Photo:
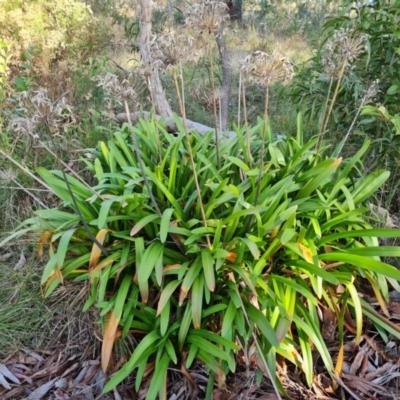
169 122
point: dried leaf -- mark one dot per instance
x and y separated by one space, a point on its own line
6 372
231 257
70 369
45 238
4 383
26 378
96 251
21 262
108 339
41 390
305 252
60 395
328 323
6 256
355 366
117 396
14 393
61 383
379 371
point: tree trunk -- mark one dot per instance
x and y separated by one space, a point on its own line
226 81
153 79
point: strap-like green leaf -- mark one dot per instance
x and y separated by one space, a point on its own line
145 344
159 380
384 232
362 262
143 222
197 301
207 346
166 293
165 220
208 268
261 321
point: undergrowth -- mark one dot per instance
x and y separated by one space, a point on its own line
23 313
220 252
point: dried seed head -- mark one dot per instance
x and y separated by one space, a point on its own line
207 96
342 49
119 90
372 91
8 175
38 109
207 16
22 125
168 50
265 69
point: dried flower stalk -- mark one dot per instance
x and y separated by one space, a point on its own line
38 109
370 94
337 56
265 69
207 16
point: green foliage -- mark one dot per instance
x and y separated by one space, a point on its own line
284 18
281 246
44 35
379 63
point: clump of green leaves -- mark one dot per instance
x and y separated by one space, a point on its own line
273 250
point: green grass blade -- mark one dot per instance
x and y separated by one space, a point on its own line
184 327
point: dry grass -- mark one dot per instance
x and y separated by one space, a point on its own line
29 321
297 47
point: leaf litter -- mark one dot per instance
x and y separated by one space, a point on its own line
72 368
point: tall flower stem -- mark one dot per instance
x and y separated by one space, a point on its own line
214 106
196 180
326 106
239 93
246 124
364 100
263 141
323 129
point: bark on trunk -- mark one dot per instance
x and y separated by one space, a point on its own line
154 83
226 81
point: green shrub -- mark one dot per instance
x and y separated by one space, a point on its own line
284 242
378 64
48 41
